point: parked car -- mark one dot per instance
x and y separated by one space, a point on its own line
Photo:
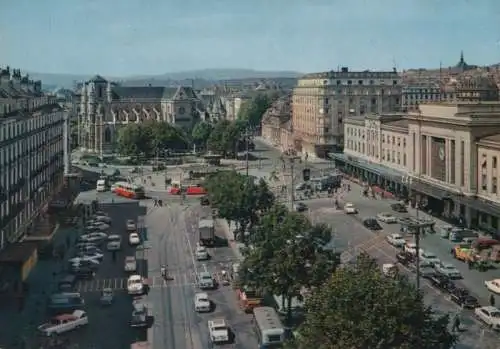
131 226
130 264
493 285
463 298
387 218
134 239
96 237
64 323
410 247
349 208
396 240
103 219
202 302
114 243
371 223
448 270
429 257
489 315
442 282
65 302
201 253
84 263
83 273
399 207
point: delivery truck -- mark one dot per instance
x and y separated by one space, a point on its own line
207 232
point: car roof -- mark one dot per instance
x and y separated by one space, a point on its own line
204 273
218 322
135 277
490 308
201 295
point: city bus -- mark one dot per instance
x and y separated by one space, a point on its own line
269 329
128 190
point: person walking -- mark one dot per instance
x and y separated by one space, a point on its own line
456 324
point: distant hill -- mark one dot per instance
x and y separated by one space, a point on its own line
201 77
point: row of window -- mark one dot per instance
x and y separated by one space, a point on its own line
387 154
17 128
10 152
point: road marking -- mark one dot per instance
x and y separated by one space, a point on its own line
98 285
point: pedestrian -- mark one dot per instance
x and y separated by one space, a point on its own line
456 324
492 300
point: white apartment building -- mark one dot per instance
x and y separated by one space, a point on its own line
31 154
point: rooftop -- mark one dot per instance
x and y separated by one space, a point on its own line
44 109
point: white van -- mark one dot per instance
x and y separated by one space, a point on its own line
101 185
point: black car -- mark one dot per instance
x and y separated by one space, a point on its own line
463 298
83 273
397 207
405 258
300 207
442 282
372 224
204 201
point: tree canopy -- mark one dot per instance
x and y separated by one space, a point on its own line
252 110
288 255
224 137
201 133
237 197
360 307
145 139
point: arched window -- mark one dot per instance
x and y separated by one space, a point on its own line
107 135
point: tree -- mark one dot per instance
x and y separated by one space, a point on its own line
166 136
288 255
360 307
252 110
134 140
237 197
224 137
201 133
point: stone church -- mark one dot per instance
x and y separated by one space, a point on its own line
106 106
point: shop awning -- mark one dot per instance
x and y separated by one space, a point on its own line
381 170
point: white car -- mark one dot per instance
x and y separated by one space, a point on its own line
448 270
201 253
202 303
131 226
389 269
493 285
489 315
93 237
396 240
114 243
130 264
135 285
64 323
387 218
134 239
219 331
429 257
205 280
349 208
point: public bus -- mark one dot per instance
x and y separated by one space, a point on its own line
269 329
128 190
177 189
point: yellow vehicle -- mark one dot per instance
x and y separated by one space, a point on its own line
464 253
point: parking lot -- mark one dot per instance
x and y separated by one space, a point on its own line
351 235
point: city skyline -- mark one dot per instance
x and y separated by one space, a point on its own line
69 37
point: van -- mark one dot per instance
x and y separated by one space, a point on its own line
65 302
66 283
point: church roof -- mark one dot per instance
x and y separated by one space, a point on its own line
152 92
97 78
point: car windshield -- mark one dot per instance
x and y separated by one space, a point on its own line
495 314
206 277
219 328
397 236
349 205
449 267
202 299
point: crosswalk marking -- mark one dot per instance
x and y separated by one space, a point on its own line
97 285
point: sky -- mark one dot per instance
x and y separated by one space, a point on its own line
147 37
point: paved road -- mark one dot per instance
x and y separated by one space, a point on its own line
172 232
353 236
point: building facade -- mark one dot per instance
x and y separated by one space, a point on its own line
276 127
413 95
446 154
31 155
105 107
322 101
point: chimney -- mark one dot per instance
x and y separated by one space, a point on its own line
25 82
4 76
16 79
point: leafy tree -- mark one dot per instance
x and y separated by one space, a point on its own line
359 307
288 255
166 136
201 133
238 198
224 137
252 110
134 140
